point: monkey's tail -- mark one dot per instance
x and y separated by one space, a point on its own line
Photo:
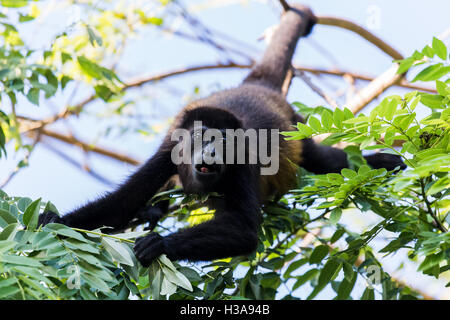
271 71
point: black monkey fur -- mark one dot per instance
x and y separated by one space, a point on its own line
257 104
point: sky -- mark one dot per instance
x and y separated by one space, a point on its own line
406 25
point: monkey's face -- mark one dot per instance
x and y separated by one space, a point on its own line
203 168
208 159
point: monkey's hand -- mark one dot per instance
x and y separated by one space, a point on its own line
149 248
49 217
152 215
385 160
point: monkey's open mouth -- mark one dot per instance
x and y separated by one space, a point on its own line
207 168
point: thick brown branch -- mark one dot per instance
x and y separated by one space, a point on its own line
140 82
374 89
351 26
359 76
89 148
28 124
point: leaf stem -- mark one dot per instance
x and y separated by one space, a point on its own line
430 211
102 235
393 149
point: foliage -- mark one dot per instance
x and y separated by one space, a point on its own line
58 262
75 57
413 204
306 245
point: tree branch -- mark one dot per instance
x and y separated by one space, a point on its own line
351 26
316 89
77 165
90 148
376 87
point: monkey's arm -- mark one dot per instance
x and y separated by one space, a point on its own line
232 232
117 208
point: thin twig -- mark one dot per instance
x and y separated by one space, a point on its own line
316 89
25 160
77 165
438 222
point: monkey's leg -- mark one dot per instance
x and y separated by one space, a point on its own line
321 159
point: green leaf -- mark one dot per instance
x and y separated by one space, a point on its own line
432 101
390 109
23 203
64 231
9 232
65 80
405 64
431 73
428 51
337 235
338 117
6 245
38 287
20 260
25 18
191 274
294 266
368 294
167 287
439 48
118 252
335 215
301 280
156 282
326 274
96 282
90 68
431 261
327 119
4 73
441 88
318 254
314 123
348 173
438 186
103 92
93 38
177 278
31 215
304 129
333 139
7 216
14 3
8 291
346 287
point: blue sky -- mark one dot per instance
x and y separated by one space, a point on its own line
406 25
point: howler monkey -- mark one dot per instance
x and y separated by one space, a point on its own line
256 104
